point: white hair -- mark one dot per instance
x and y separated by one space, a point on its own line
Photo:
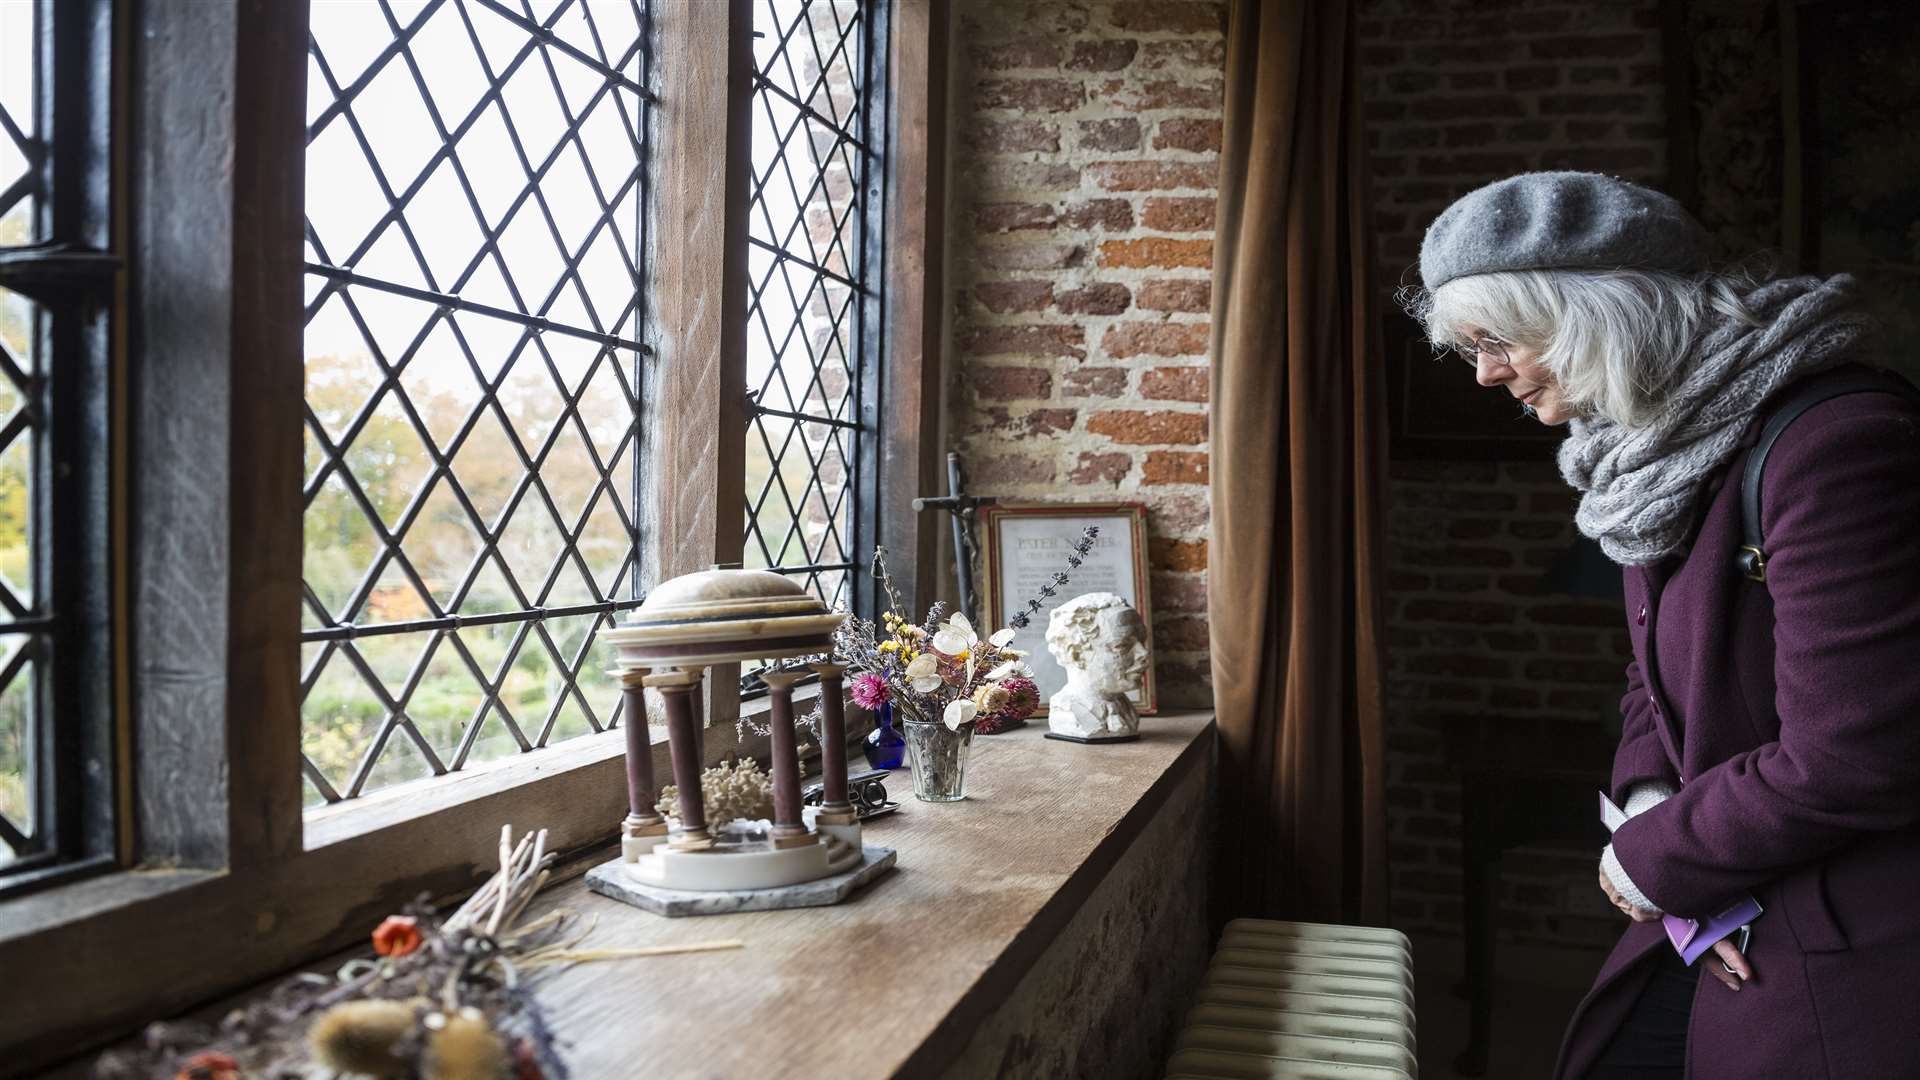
1614 340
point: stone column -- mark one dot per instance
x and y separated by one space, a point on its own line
835 807
642 820
683 731
789 830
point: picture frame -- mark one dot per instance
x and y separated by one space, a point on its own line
1026 543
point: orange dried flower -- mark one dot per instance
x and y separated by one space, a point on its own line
209 1065
397 936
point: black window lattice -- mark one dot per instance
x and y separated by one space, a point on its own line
24 618
809 287
475 184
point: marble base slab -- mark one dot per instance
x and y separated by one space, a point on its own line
1135 737
615 879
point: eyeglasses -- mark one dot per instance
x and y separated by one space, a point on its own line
1471 351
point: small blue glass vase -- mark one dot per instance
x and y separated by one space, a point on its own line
884 747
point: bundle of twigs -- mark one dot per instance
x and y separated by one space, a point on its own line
443 1000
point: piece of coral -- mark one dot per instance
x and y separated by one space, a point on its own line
728 791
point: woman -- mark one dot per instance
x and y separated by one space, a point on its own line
1771 730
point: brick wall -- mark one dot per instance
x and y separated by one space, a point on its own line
1460 93
1089 136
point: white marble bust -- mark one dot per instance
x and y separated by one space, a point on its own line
1102 643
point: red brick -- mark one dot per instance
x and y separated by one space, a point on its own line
1576 614
999 176
1529 131
1174 467
1179 214
1616 159
1006 217
1456 556
1199 54
1417 29
1536 530
1140 427
1180 592
1028 53
1005 296
1481 612
1129 339
1591 130
1157 251
1160 94
1406 581
1459 665
1175 384
1532 78
1466 108
1029 95
1106 298
1010 384
999 470
1592 104
1468 135
1564 670
1472 528
1153 175
1101 468
1179 133
1587 76
1048 421
1106 382
1185 634
1176 16
1102 55
1583 48
1023 340
1461 583
1013 136
1476 165
1112 214
1175 295
1120 133
1177 555
1472 80
1029 256
1522 584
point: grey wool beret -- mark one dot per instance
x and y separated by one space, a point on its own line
1560 221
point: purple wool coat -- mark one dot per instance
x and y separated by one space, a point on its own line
1790 715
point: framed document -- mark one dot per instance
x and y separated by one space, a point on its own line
1026 544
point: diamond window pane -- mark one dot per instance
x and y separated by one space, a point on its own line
463 459
807 283
17 737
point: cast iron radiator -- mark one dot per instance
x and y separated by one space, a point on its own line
1302 1001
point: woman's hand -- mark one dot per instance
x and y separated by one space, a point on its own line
1725 954
1637 914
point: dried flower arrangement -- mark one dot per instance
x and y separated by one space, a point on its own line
446 999
942 667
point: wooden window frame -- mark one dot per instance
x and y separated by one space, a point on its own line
222 879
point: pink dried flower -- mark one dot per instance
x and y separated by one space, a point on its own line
870 690
1024 697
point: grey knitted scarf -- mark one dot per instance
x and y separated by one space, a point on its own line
1643 486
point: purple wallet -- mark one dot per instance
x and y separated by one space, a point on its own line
1691 937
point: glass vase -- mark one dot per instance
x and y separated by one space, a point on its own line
884 747
939 757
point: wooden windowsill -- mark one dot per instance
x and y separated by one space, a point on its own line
894 981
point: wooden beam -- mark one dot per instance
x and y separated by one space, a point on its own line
695 396
218 384
911 458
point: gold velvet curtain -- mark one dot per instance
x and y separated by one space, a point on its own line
1298 470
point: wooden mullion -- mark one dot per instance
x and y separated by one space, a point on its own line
910 445
696 398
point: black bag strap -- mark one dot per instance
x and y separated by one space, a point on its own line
1752 558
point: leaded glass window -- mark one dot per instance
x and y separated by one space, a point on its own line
57 296
813 268
474 213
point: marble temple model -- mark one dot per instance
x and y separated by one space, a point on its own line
687 625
